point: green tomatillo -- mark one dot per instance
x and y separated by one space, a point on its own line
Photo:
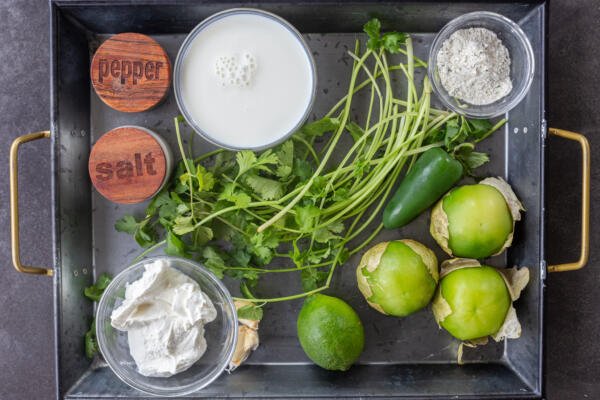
399 277
476 221
474 301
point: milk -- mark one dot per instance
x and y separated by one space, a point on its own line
246 81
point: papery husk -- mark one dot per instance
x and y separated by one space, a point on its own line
248 339
370 261
514 205
440 307
438 227
516 280
428 257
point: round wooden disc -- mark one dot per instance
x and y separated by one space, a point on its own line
131 72
127 165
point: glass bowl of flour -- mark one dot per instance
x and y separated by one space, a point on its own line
166 326
481 64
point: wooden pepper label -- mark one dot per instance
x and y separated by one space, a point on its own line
127 165
131 72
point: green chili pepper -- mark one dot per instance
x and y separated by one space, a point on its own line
434 173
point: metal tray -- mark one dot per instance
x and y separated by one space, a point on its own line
407 357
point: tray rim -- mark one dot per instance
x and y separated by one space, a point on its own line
56 5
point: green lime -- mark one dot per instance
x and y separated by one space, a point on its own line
330 332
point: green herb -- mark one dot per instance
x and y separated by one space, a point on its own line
251 312
91 344
242 214
390 41
459 136
95 291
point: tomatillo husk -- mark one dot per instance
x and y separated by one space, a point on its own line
398 278
476 221
472 305
248 340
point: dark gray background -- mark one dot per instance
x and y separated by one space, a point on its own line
572 320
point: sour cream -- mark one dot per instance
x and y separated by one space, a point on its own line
164 313
244 78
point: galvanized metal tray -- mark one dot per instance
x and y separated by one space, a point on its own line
407 357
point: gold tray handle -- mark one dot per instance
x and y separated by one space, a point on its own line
585 201
14 204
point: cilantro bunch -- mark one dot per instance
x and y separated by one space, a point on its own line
297 209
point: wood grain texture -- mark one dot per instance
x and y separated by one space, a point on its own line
131 72
127 165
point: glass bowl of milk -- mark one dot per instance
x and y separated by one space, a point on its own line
167 342
245 79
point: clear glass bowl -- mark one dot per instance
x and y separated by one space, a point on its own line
220 334
184 50
521 69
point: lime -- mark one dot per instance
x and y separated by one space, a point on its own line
330 332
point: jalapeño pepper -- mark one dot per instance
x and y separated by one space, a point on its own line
434 173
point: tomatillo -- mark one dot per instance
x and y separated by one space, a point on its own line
474 301
476 221
398 278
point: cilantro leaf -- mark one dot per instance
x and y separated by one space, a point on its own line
389 41
127 224
468 157
91 344
205 179
285 159
320 127
324 235
213 261
312 278
230 194
245 159
452 132
94 292
307 217
142 233
266 188
175 246
393 40
183 225
479 127
201 235
373 29
355 131
251 312
302 169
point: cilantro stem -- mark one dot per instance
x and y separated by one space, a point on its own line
492 130
310 148
187 167
337 134
148 251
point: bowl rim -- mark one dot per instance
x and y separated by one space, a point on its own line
185 46
215 373
458 23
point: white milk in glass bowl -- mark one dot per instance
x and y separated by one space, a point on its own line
244 79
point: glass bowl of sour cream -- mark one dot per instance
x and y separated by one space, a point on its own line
244 79
166 326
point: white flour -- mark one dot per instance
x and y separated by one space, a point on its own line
474 66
